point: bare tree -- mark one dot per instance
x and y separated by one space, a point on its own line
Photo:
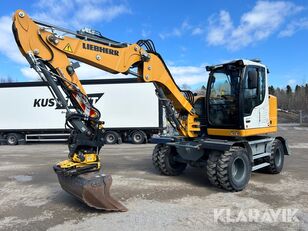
6 79
185 86
201 91
292 100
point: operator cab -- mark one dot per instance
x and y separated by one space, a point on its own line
237 96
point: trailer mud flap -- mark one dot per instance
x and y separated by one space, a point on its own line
93 189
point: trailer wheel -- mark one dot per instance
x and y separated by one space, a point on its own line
163 160
234 169
111 137
138 137
211 168
276 159
12 139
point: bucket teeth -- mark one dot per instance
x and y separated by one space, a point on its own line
93 189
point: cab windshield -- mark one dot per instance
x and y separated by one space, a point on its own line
223 98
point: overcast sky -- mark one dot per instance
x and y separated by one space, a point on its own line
188 34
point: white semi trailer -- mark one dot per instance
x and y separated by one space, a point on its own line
131 111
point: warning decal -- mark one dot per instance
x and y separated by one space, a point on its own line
68 48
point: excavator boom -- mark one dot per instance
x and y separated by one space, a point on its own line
50 54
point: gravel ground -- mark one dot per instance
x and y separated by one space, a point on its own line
31 198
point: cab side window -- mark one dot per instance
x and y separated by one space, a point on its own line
253 96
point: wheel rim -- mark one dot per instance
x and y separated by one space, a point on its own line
137 137
278 157
238 169
11 140
110 138
173 163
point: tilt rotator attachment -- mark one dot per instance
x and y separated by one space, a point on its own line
80 175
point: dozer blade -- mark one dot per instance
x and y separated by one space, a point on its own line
93 189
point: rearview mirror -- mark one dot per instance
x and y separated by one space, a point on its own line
252 79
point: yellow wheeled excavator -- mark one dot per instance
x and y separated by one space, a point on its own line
223 132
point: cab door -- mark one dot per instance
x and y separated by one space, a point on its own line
255 98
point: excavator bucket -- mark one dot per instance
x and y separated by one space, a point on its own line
93 189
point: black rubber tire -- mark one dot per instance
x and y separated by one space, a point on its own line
12 139
234 169
111 137
276 159
138 137
163 161
155 155
211 168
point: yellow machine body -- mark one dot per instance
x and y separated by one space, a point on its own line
51 56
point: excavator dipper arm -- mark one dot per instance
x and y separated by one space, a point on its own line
50 54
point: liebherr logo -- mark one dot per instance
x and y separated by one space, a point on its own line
51 102
100 49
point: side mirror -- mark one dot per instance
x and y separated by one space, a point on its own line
252 79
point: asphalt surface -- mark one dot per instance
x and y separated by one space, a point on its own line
31 198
